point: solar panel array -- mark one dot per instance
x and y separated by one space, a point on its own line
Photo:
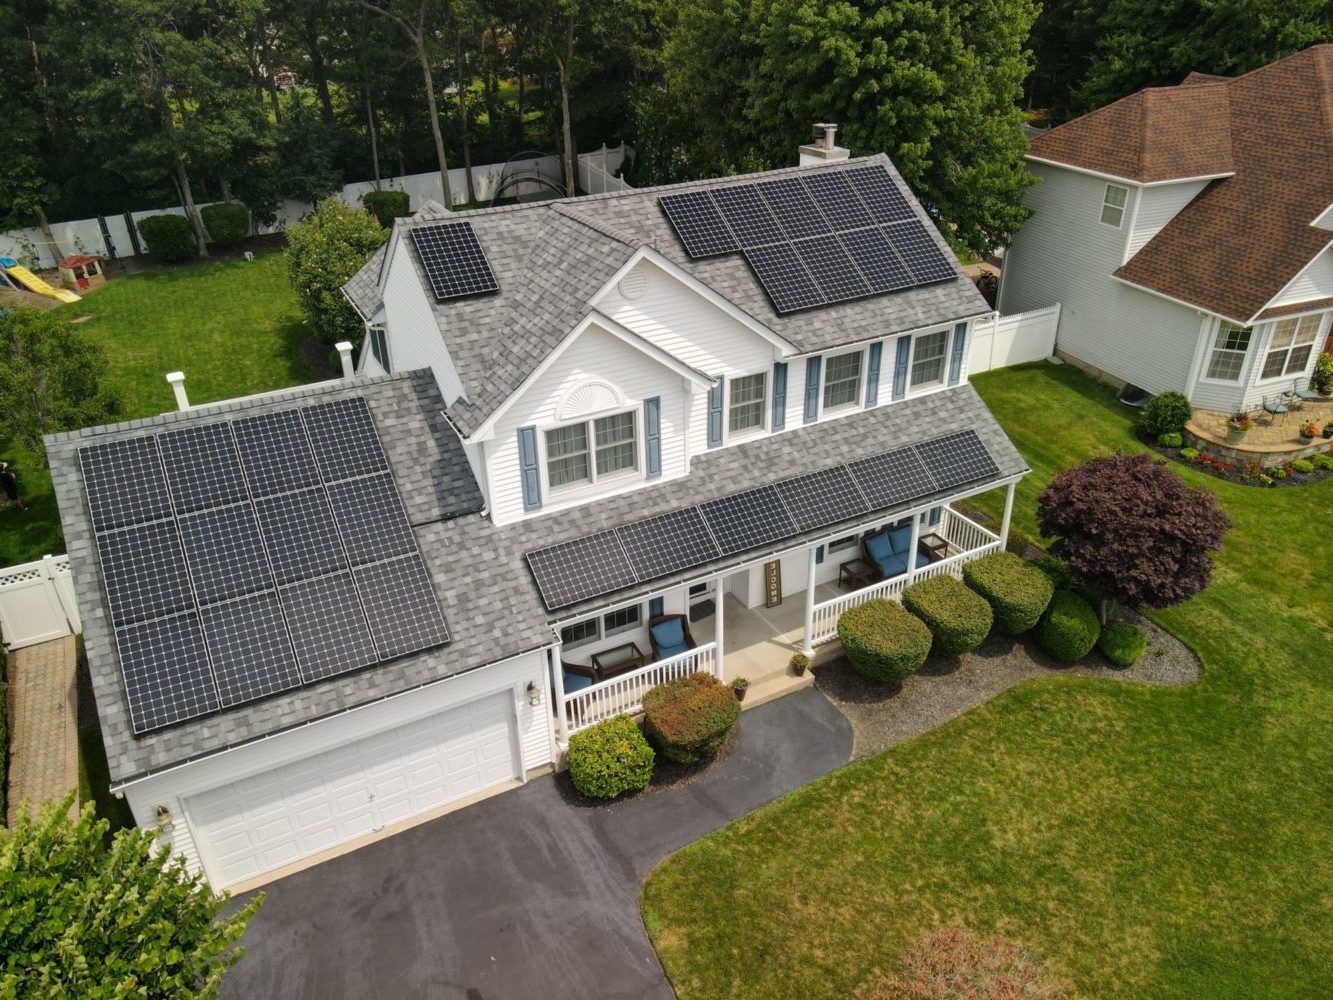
608 561
455 263
830 236
243 558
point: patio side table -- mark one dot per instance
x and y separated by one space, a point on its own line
618 660
856 572
933 546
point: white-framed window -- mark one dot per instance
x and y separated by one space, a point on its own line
928 353
1113 205
591 450
1291 346
746 403
845 542
580 633
1229 348
842 380
621 620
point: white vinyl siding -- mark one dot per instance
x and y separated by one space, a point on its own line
1156 207
1226 361
411 330
1114 200
1314 282
1289 348
842 380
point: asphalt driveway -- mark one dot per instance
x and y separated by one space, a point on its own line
523 895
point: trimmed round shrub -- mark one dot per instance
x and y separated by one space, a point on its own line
1166 413
610 759
1171 439
1055 570
1123 643
387 205
1016 591
227 222
1189 454
883 640
1069 629
168 237
689 718
1303 466
958 618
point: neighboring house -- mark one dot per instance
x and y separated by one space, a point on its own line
1186 233
316 615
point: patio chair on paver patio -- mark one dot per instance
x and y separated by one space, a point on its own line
670 636
1273 406
887 549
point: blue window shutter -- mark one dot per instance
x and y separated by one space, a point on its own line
872 373
812 390
652 436
900 367
715 412
819 554
527 462
779 395
956 362
656 606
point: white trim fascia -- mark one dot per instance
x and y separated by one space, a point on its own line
1316 311
1277 295
342 289
1324 220
698 287
1202 347
1121 179
1180 302
1133 221
382 278
483 432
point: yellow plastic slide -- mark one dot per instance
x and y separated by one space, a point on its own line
33 283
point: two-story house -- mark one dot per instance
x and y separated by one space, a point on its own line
593 444
1186 232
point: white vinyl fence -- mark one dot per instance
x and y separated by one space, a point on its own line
1010 340
597 171
37 602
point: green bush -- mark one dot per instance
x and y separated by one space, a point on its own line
1016 590
4 731
1171 439
1069 629
956 617
883 640
1322 461
387 206
1166 413
168 237
1189 454
1056 571
610 759
1303 465
324 249
689 718
227 222
1122 643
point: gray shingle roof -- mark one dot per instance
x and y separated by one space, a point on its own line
362 289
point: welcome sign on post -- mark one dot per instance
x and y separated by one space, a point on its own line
772 583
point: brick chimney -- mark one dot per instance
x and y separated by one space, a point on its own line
823 146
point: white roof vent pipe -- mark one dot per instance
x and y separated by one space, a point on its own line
823 146
177 380
344 350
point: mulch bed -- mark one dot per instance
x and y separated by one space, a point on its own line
883 715
667 774
1232 473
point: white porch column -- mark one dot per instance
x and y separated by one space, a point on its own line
558 680
1008 513
911 551
807 646
720 622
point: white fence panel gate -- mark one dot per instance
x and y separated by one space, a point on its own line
37 602
1011 340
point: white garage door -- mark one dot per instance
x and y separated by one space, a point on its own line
291 812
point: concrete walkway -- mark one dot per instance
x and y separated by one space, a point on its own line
43 724
524 895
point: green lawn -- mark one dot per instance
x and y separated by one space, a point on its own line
233 327
1142 842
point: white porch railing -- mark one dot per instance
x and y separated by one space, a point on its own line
624 694
967 541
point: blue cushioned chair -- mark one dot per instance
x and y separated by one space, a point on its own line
888 550
670 636
577 677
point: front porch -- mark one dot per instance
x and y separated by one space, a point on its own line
760 634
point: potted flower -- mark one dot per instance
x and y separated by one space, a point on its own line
1328 429
739 686
1309 431
1237 426
799 664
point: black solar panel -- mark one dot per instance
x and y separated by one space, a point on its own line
879 194
251 653
584 567
328 628
879 265
786 281
371 519
454 261
892 478
167 676
793 208
124 483
144 572
745 520
343 437
658 546
275 452
919 252
957 458
834 272
833 197
202 467
300 535
747 215
696 220
225 555
821 498
401 607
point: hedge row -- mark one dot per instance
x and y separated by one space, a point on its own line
883 640
1017 591
958 617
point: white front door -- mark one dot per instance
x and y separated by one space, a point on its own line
280 816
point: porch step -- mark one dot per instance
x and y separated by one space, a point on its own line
773 686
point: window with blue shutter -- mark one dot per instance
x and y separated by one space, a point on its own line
652 436
656 607
812 390
715 412
934 518
900 367
872 374
779 395
819 555
956 362
528 468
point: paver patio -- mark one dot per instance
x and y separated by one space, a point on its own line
44 724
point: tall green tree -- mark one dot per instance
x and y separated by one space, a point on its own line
324 249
